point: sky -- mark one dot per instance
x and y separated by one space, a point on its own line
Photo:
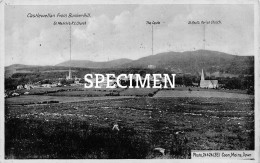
120 31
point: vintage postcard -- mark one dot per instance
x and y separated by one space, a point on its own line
130 80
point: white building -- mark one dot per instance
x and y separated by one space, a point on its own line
20 87
151 66
207 83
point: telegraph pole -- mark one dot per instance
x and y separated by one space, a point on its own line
152 23
70 56
204 36
152 39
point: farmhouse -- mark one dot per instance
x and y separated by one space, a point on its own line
207 83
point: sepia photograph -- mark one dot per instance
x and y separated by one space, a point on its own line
130 81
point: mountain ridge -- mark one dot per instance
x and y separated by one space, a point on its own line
93 64
175 62
194 61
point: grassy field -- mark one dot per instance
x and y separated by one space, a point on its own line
203 93
210 90
80 91
84 129
89 93
139 92
43 99
43 90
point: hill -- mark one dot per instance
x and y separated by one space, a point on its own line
212 62
194 61
9 70
91 64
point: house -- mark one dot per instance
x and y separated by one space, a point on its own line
15 94
26 93
195 84
207 83
20 87
54 84
46 85
77 80
28 86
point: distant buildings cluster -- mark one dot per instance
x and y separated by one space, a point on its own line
29 86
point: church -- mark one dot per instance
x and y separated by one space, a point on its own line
207 83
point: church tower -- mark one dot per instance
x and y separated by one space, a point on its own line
202 76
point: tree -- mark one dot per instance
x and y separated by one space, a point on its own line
11 83
82 81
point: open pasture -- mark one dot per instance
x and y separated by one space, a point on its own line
84 129
88 93
139 92
203 93
46 90
43 99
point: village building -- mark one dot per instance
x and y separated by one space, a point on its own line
207 83
26 93
46 85
151 66
20 87
195 84
68 77
28 86
15 94
77 80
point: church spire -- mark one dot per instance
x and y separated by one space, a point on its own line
202 75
